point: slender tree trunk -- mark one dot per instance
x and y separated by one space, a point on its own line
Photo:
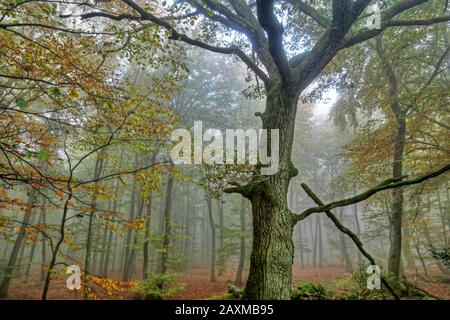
407 245
300 235
222 266
147 236
5 250
213 237
132 258
187 226
30 260
164 254
8 273
97 173
345 255
419 254
241 263
395 225
43 240
20 260
320 248
443 210
114 253
301 245
358 229
429 241
315 241
105 248
127 249
62 232
109 245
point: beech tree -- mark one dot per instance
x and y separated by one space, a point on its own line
272 39
263 28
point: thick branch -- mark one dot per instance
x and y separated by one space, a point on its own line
274 30
348 232
388 184
417 22
387 21
311 12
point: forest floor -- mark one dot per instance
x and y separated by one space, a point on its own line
197 284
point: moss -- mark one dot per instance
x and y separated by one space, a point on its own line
157 287
310 291
226 296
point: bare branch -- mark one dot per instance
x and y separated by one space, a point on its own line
388 184
358 243
387 21
311 12
175 35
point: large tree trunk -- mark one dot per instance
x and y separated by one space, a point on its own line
271 260
270 274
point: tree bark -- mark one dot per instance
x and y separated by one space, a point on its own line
270 274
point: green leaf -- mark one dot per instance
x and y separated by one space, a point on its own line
43 155
21 103
74 94
55 91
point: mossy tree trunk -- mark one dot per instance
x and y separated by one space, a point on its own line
270 274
